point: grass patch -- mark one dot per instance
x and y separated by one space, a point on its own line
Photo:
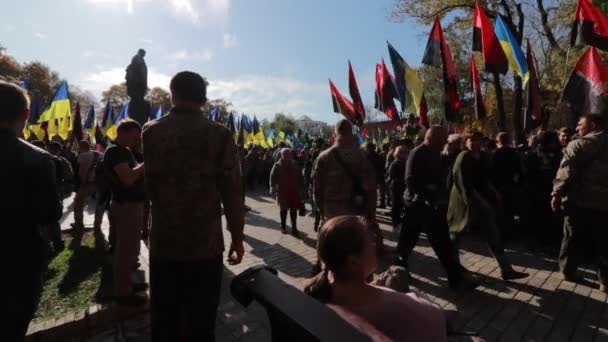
76 278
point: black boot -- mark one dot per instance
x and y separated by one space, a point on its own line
293 214
283 221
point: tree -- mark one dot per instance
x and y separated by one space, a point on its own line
85 98
159 97
117 94
545 23
223 105
9 67
285 123
39 81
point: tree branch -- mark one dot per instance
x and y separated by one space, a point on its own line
544 18
447 9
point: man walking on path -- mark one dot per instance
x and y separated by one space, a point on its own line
29 202
192 169
582 187
426 200
87 160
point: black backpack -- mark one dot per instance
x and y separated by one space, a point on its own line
102 178
358 200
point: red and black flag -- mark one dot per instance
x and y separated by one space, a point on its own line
587 88
77 124
480 107
533 113
438 54
485 41
590 26
341 104
385 92
356 96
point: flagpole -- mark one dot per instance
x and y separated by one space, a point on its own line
561 95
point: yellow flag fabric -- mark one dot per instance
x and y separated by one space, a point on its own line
59 109
112 132
269 142
415 90
260 139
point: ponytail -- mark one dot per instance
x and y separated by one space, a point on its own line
319 287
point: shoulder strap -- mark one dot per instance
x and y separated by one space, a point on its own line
346 169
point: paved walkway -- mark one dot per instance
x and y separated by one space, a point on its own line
539 308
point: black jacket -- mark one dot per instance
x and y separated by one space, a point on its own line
29 198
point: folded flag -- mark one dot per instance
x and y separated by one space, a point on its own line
340 103
385 91
356 96
480 108
532 101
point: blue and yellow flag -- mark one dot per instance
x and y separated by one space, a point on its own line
112 132
512 49
108 118
89 122
32 126
60 106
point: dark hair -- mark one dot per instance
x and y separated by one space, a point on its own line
344 127
189 86
566 130
337 241
503 138
13 102
474 135
84 144
127 125
596 119
55 146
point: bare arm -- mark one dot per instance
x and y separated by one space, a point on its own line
127 175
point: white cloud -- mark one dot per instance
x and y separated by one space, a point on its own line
185 55
97 82
39 35
147 41
267 95
8 28
210 12
252 94
230 40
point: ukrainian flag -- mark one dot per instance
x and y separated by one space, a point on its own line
108 118
60 106
89 123
512 49
32 126
112 132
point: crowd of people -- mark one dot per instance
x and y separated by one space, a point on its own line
171 181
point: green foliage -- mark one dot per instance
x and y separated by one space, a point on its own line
117 94
285 123
159 97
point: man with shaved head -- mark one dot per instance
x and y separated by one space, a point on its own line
426 201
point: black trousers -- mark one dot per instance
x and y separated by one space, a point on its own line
25 273
184 297
584 241
421 217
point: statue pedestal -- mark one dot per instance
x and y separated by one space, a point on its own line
139 110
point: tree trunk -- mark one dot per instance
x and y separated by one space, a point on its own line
499 103
517 107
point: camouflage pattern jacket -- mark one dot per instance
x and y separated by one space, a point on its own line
581 179
192 168
333 187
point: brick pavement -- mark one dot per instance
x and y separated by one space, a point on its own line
539 308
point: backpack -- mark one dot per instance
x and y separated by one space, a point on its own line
358 200
102 177
64 177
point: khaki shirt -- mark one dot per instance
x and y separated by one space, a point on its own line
333 187
581 178
192 168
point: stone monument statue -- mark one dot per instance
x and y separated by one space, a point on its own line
137 87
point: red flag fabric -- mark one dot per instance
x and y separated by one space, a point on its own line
533 113
356 96
341 104
385 91
590 26
480 108
485 41
77 124
587 88
438 54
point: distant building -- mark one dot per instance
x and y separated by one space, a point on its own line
311 126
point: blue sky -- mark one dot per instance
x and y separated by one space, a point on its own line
265 56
